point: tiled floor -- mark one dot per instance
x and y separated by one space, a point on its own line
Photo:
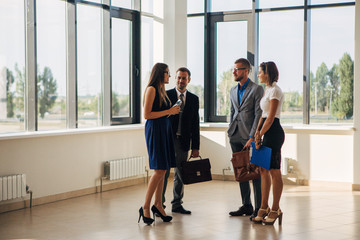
309 213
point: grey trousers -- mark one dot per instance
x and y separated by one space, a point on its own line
236 146
178 190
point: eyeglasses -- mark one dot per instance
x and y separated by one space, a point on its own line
236 69
168 72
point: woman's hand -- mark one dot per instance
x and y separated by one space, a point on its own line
257 140
174 110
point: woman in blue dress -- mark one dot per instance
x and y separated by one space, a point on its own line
159 139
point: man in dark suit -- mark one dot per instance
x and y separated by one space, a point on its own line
245 114
186 130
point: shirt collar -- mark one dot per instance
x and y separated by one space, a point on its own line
243 87
178 93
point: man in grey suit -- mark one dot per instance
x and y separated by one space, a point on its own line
245 114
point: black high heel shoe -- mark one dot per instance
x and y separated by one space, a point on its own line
146 220
164 218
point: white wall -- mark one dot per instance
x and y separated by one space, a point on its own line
64 163
321 154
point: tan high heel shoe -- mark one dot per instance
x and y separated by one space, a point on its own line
272 216
262 213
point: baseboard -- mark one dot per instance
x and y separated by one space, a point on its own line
356 187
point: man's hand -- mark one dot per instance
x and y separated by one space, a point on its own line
248 143
194 153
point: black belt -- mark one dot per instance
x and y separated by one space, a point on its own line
178 136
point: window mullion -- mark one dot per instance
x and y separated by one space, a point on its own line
306 68
30 66
71 66
106 65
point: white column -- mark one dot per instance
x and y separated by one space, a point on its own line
175 35
356 166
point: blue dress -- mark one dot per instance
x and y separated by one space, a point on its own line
159 139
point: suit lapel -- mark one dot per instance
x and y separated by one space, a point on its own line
234 95
187 101
246 93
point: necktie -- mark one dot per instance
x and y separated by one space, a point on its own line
180 114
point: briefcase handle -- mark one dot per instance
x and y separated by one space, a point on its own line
196 157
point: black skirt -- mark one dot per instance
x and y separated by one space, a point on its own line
274 139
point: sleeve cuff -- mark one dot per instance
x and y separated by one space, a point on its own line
252 137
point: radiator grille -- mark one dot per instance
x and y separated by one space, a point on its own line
124 168
12 186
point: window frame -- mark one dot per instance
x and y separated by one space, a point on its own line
135 78
210 56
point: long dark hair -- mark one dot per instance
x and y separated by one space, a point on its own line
157 80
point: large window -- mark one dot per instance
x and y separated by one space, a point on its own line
228 49
12 66
74 56
125 67
331 64
89 66
281 38
51 64
312 43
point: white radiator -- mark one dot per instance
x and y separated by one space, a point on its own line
13 186
124 168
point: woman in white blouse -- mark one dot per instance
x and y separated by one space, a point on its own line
270 134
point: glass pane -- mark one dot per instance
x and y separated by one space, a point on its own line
152 51
89 65
228 49
231 5
195 59
95 1
121 67
280 3
285 48
332 63
155 7
195 6
12 66
51 65
122 3
158 35
328 1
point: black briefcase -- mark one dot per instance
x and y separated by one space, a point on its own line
196 171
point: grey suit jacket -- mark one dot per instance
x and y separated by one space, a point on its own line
245 115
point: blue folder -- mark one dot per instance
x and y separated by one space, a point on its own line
261 156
